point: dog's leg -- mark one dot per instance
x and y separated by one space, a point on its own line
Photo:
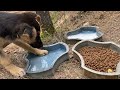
7 43
30 48
13 69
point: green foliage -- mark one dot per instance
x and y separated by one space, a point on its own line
55 15
45 36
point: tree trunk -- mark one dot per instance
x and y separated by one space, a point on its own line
46 22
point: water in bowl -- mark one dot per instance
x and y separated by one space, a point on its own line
84 35
43 63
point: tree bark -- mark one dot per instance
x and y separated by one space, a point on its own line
46 22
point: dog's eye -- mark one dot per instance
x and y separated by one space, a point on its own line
25 30
18 36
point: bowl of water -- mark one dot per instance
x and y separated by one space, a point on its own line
38 66
84 33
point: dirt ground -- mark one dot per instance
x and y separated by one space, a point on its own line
108 21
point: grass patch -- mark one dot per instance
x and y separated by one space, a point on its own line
45 36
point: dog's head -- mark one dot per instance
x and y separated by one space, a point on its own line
29 32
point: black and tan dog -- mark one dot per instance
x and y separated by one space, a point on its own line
22 29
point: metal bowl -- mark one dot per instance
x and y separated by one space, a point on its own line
39 66
92 73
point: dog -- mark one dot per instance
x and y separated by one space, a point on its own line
22 29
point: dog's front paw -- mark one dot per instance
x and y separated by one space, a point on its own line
15 71
44 52
40 52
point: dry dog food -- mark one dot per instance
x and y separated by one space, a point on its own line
100 59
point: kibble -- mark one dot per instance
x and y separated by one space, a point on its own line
100 58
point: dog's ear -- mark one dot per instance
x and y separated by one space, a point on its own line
38 18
